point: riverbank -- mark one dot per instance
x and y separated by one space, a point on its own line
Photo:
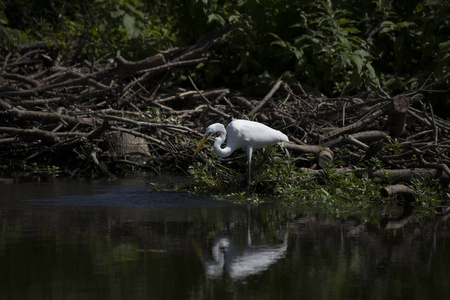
107 118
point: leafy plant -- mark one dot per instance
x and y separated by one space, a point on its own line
329 50
334 46
343 195
428 193
53 171
337 47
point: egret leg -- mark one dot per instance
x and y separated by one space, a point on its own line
249 155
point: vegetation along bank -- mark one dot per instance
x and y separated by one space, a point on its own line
91 90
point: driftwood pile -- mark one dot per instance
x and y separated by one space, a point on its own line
94 117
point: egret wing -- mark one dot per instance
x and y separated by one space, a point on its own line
242 133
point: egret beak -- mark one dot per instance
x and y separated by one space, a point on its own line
202 141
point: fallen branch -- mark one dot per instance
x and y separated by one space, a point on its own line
45 116
146 124
51 105
364 121
275 87
398 189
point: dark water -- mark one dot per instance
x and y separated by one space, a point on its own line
123 240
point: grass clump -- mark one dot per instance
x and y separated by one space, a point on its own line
341 194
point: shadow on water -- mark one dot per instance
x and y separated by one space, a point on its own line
123 240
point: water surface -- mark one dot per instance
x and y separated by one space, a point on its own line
125 240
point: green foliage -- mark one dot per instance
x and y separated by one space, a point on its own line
118 27
410 41
127 27
154 114
328 49
428 193
11 38
342 194
213 176
36 169
394 146
335 46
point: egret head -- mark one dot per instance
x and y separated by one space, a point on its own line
212 129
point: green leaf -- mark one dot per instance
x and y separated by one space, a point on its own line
371 71
129 24
357 61
117 13
444 45
387 26
217 18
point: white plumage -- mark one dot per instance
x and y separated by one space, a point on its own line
243 134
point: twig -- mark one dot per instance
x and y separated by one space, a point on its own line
275 87
99 164
146 124
366 119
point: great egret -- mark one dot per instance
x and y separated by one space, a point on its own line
243 134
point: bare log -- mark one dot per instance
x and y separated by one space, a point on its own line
351 140
151 139
121 144
371 136
325 157
398 189
359 139
397 116
304 148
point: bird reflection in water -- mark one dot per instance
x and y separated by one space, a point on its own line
241 262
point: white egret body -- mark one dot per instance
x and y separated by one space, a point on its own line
243 134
